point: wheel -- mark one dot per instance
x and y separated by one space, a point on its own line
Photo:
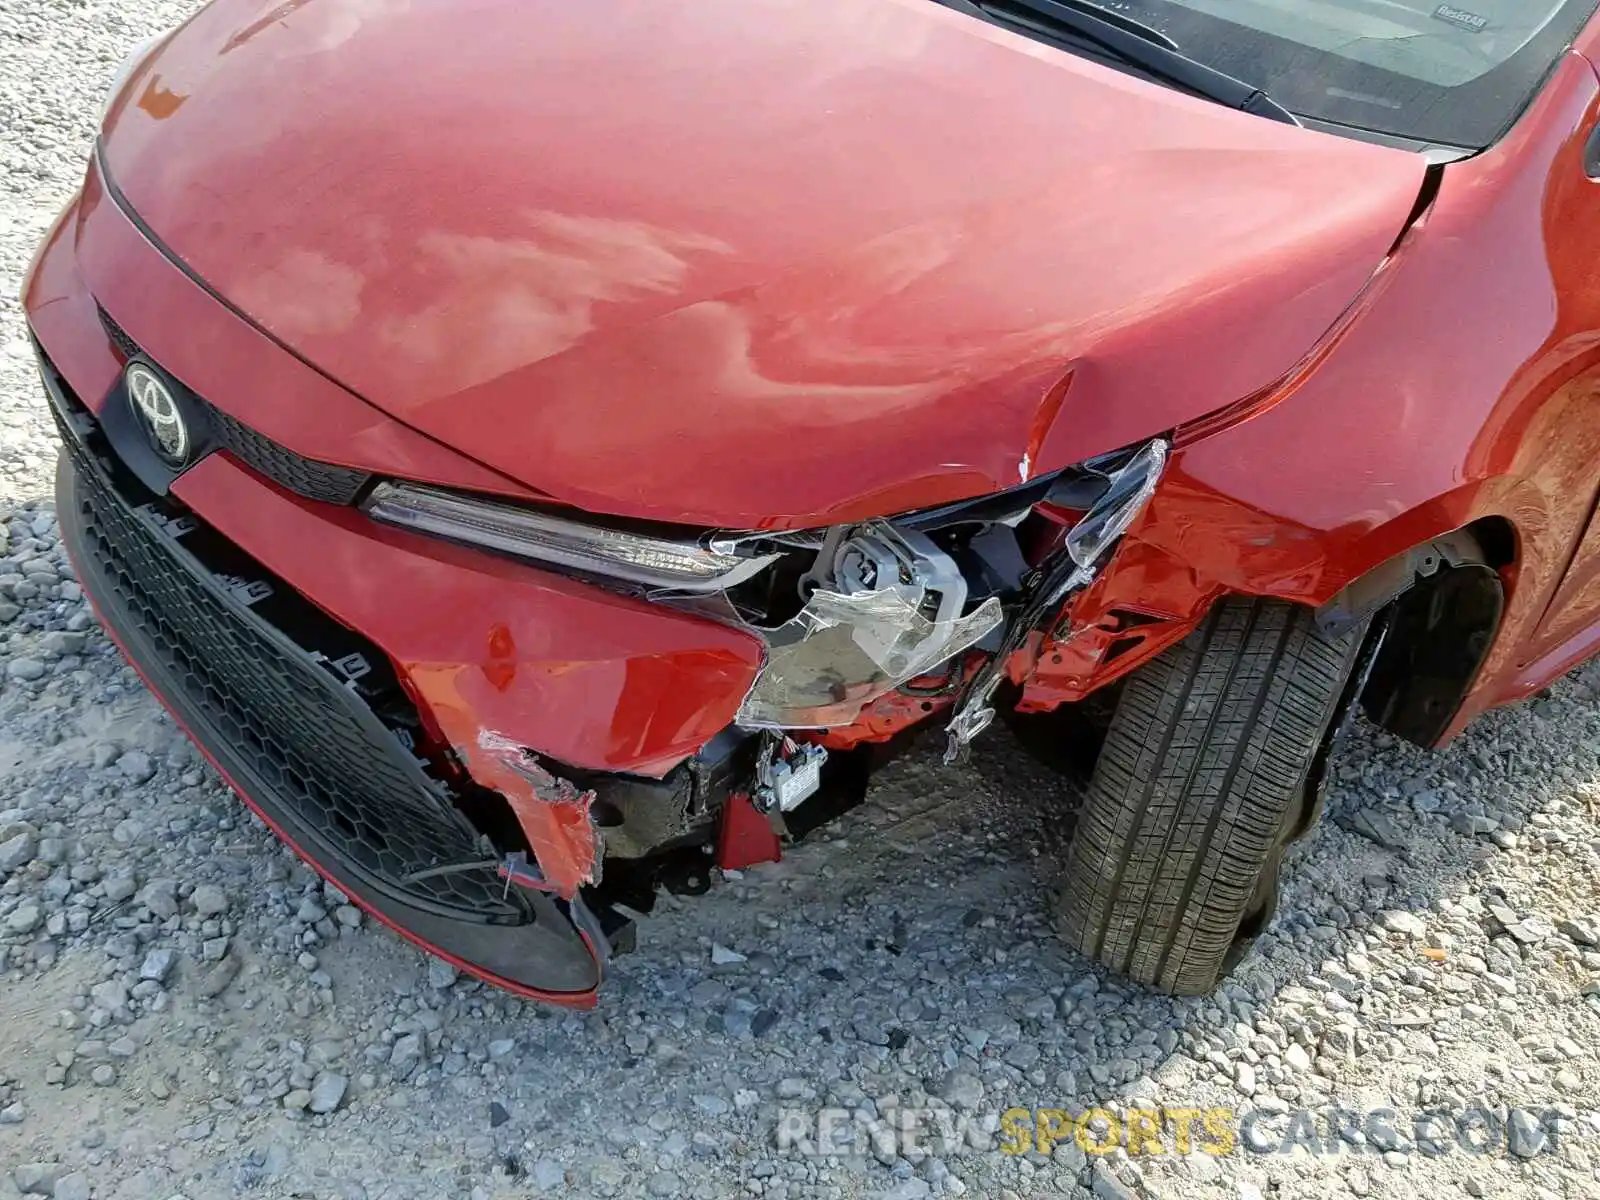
1205 776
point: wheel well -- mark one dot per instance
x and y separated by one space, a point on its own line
1440 606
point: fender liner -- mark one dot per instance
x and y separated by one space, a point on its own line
1445 599
1389 580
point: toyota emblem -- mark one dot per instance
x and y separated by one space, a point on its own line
163 420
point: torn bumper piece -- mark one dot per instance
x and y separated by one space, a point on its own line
1116 488
553 813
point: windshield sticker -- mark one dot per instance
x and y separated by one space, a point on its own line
1461 18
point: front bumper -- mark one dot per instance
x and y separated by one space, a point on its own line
320 751
242 595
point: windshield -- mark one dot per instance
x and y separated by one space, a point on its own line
1454 74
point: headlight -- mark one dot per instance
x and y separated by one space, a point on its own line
850 613
639 559
132 63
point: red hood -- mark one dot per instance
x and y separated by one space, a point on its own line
742 262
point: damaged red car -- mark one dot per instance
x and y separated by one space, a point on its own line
538 448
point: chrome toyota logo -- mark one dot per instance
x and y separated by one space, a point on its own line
162 418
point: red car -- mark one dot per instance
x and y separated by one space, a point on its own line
530 446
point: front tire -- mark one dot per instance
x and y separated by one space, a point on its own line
1201 783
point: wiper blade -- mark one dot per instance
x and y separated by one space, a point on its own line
1111 17
1135 43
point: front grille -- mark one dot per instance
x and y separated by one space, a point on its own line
125 345
303 476
314 480
325 730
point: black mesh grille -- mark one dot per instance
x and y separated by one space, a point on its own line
125 345
304 476
314 480
321 748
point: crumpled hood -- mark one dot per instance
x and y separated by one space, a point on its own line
747 263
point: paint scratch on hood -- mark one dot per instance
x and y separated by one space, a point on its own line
553 812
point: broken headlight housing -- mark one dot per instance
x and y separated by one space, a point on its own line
853 612
881 605
890 601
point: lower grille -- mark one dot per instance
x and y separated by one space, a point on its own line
191 603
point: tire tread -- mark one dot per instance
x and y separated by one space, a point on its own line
1203 768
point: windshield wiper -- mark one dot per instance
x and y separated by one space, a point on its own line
1134 43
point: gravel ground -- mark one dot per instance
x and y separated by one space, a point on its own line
186 1012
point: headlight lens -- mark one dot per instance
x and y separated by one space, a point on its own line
1132 484
650 562
844 651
